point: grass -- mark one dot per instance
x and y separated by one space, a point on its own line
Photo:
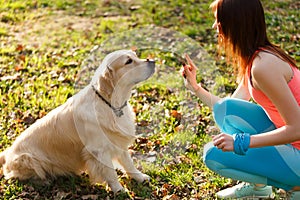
43 48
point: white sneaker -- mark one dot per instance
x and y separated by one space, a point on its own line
243 190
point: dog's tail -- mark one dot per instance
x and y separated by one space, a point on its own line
2 158
2 162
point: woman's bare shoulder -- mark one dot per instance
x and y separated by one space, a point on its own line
268 63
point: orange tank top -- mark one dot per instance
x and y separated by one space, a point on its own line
266 103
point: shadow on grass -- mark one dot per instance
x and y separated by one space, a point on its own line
72 187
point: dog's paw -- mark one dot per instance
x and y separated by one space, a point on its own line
117 188
140 177
123 194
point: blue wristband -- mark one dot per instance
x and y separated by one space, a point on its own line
241 143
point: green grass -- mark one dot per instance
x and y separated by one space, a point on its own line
43 46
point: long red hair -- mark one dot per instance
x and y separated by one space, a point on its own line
243 31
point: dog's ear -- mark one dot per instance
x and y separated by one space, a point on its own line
106 83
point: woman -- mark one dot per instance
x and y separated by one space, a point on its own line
259 143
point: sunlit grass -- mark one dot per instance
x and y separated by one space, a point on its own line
42 51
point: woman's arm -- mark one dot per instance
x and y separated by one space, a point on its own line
242 91
271 75
189 72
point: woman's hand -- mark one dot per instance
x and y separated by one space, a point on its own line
223 141
189 72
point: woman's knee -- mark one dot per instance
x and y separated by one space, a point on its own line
210 157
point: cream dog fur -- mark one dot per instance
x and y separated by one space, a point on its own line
88 132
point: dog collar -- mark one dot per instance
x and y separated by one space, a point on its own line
118 111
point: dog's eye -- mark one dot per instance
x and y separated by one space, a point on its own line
129 61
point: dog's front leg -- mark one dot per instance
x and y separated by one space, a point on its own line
100 169
127 163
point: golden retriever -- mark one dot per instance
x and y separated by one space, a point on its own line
88 132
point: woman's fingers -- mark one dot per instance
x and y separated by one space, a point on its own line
182 71
223 141
217 140
190 62
186 70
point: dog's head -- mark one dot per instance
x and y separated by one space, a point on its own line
124 69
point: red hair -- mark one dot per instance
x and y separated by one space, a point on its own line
243 31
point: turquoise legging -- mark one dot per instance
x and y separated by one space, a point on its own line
278 166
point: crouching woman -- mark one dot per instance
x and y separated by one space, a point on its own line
259 142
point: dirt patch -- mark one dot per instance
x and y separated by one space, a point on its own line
46 28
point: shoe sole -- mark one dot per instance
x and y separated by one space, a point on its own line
256 197
272 196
